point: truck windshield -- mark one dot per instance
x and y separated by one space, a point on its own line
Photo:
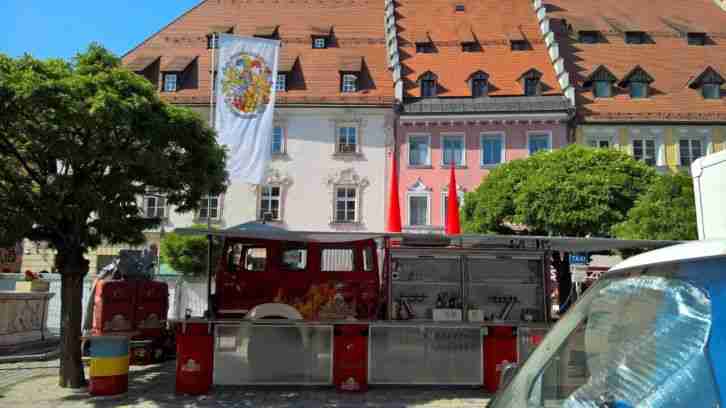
631 342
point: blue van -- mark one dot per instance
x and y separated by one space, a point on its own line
650 333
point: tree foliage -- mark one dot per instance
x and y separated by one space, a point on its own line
188 254
80 141
665 211
575 191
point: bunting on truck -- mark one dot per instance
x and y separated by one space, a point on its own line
245 101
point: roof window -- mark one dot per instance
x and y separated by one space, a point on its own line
531 82
428 83
709 81
460 8
601 80
696 38
589 37
638 82
519 45
479 83
636 37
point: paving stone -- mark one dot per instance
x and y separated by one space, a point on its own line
35 385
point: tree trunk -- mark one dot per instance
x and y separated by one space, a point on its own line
73 268
561 262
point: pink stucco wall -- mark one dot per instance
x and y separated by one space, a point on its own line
470 176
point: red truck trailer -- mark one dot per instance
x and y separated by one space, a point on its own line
353 309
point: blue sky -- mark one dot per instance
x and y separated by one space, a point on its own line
57 28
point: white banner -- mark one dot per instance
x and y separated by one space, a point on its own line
245 102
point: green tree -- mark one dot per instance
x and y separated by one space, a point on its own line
575 191
188 253
80 141
665 211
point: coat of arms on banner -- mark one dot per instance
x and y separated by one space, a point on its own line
247 84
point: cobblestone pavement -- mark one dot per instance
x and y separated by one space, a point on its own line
35 385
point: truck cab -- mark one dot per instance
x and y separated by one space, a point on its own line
649 334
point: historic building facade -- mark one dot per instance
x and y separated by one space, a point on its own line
648 77
474 95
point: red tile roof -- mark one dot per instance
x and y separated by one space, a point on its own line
357 29
493 23
669 60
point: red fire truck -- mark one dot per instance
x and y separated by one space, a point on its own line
353 309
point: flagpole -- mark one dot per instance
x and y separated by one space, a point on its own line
212 90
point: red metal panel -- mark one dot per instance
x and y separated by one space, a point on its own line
194 361
500 347
350 365
111 385
114 307
152 300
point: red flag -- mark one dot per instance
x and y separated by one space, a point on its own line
453 226
394 207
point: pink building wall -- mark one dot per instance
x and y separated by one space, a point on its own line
470 176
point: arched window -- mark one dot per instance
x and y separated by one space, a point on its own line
479 84
638 83
531 82
428 83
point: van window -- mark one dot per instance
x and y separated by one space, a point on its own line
295 259
234 257
368 259
337 260
630 340
255 259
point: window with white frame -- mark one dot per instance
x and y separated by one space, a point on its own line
281 84
350 83
418 209
210 208
346 200
347 139
278 140
171 82
689 150
492 149
270 203
155 206
538 142
320 42
453 150
601 143
419 150
644 150
445 204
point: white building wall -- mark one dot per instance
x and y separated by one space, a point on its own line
310 169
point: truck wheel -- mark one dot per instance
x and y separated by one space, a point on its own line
275 354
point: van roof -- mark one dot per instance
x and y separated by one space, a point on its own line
689 251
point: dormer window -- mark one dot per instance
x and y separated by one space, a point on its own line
696 38
479 82
635 37
519 45
531 82
638 83
601 80
709 81
173 72
350 72
268 32
146 66
320 42
425 48
424 44
281 83
469 47
350 83
427 81
213 36
589 37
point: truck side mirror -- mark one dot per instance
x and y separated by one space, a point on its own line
507 374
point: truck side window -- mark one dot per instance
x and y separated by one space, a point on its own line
234 256
255 259
295 259
368 259
337 260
